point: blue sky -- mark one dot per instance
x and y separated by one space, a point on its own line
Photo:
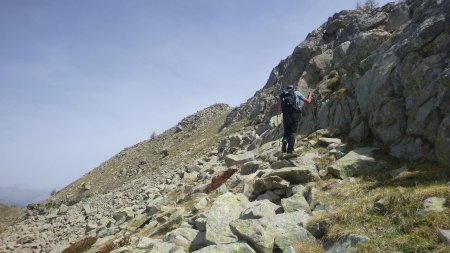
81 80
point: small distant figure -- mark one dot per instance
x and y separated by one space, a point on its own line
290 99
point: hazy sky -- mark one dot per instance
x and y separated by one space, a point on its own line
82 79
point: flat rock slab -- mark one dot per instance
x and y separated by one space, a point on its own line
281 230
281 164
306 159
123 249
348 245
328 141
239 159
227 248
150 245
296 175
359 161
225 209
297 202
260 209
165 247
147 242
187 238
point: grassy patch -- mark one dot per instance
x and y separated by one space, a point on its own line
80 246
333 79
309 247
341 93
398 227
110 245
8 216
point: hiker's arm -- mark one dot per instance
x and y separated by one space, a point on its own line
309 98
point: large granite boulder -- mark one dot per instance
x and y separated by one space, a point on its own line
187 238
295 175
239 159
250 167
269 183
280 231
357 162
225 209
165 247
260 209
297 202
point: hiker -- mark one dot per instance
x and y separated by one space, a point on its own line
290 107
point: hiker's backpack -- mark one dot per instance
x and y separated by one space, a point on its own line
288 102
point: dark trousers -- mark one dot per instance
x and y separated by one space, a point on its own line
290 124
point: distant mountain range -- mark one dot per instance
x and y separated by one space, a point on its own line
22 195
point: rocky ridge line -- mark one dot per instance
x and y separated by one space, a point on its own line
383 75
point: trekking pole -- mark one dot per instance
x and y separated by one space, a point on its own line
276 108
279 129
278 114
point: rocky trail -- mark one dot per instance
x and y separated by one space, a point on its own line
236 198
370 171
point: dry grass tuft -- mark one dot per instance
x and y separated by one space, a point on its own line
308 247
8 216
81 246
110 245
398 227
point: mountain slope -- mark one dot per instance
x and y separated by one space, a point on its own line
9 215
148 158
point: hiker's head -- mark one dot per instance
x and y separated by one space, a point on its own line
290 87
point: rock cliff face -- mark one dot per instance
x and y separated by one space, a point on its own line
384 74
